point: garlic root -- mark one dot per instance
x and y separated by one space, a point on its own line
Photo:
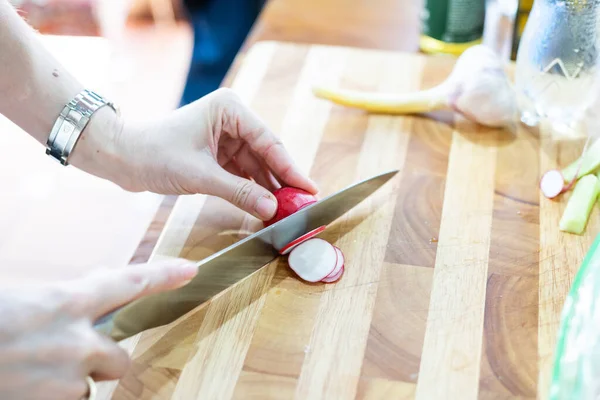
477 87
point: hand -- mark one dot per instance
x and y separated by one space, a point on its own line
47 343
213 146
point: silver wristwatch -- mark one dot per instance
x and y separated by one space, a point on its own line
72 120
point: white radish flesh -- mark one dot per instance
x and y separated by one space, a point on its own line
552 183
313 260
289 247
339 264
335 277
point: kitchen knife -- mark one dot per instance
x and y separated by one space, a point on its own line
230 265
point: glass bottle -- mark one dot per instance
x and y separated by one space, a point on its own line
451 26
557 61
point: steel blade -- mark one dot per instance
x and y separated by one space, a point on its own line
234 263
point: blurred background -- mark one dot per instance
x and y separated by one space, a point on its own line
217 30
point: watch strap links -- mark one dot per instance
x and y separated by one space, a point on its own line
71 122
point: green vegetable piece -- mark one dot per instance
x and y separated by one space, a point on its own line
579 207
590 163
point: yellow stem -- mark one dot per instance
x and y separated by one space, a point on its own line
390 103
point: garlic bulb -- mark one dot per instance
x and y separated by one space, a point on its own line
477 87
480 89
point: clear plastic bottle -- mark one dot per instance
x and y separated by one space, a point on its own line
556 65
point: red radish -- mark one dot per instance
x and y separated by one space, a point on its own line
552 183
313 260
338 266
287 248
306 205
335 277
290 200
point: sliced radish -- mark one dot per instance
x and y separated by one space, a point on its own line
335 277
307 204
313 260
289 201
288 247
339 264
552 183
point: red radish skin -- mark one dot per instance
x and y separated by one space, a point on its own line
552 183
289 247
306 205
336 277
338 265
570 185
290 200
313 260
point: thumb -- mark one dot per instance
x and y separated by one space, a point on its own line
245 194
111 289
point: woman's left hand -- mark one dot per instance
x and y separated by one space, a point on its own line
214 146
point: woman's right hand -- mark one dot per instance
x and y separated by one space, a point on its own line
48 345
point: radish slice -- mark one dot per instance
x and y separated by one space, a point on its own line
335 277
552 183
288 247
339 265
313 260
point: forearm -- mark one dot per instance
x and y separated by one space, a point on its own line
34 87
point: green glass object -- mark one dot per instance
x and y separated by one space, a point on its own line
576 370
451 26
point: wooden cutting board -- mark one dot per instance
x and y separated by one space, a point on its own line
456 271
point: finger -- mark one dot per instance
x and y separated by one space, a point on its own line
228 149
233 168
111 289
271 181
108 360
256 168
243 193
240 122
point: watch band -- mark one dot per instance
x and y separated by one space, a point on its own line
71 121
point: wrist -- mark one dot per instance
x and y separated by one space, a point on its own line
100 149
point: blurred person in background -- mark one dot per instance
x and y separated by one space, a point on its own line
220 28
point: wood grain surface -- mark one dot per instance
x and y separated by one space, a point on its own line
456 271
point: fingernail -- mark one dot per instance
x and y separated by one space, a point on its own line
265 207
188 269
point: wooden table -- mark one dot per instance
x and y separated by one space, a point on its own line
380 24
456 271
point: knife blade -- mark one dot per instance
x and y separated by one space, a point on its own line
226 267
